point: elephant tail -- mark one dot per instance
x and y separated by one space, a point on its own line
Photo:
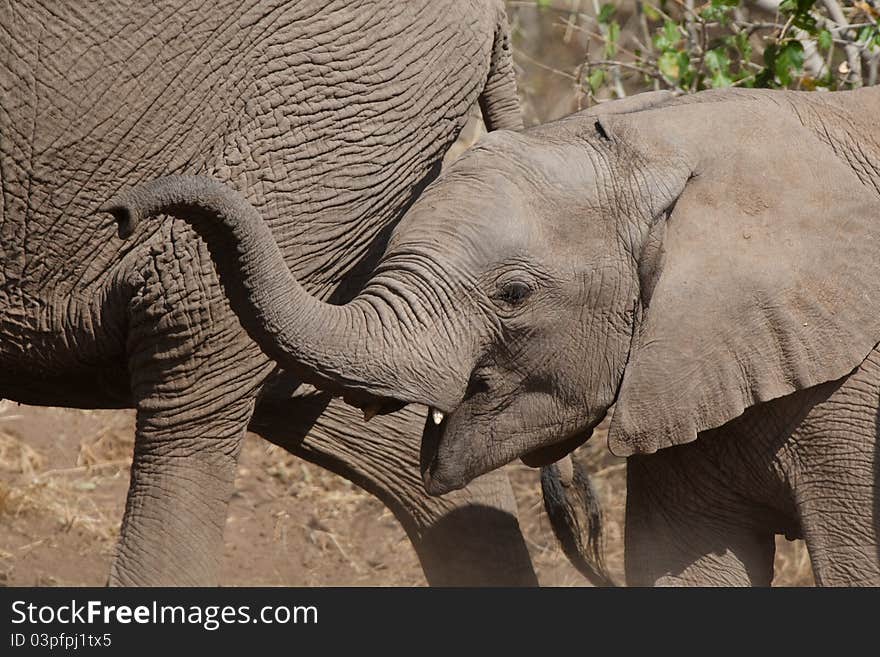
576 517
499 102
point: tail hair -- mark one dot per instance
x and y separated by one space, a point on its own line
575 514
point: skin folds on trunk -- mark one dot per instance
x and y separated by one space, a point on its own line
335 347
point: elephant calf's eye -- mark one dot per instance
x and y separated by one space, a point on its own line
513 292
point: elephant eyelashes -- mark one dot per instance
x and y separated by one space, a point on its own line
513 293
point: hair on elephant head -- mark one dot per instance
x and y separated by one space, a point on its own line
638 258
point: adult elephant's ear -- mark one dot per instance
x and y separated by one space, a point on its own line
769 280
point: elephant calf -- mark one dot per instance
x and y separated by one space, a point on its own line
720 287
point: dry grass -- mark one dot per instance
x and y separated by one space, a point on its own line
792 566
329 497
59 500
333 530
325 519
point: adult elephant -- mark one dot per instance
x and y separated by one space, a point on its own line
721 288
334 115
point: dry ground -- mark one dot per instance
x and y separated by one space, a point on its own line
64 473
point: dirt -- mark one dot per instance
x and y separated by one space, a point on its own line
63 479
64 475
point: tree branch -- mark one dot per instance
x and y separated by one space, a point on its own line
853 58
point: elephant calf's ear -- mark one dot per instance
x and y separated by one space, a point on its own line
658 170
651 259
770 276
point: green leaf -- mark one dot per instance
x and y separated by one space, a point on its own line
741 42
673 31
867 33
806 22
605 13
668 37
720 80
796 6
718 10
684 66
596 79
789 60
717 60
825 39
765 77
611 38
673 65
651 12
800 13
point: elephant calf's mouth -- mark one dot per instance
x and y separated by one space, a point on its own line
447 459
429 452
451 456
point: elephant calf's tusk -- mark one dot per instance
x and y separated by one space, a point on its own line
437 416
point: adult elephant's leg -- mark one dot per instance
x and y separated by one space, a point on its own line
686 527
194 378
475 539
469 537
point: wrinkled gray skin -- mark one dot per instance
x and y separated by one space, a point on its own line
720 283
333 115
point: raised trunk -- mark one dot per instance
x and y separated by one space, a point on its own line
358 347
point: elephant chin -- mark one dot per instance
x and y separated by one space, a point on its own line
550 454
451 457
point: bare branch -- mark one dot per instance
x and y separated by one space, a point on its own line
853 58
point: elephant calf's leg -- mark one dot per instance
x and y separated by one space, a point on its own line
838 500
835 460
685 528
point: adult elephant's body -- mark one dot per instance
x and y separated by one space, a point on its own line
334 115
721 288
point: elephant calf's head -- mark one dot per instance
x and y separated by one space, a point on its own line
635 259
528 263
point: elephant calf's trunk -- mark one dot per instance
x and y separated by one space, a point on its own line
333 347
